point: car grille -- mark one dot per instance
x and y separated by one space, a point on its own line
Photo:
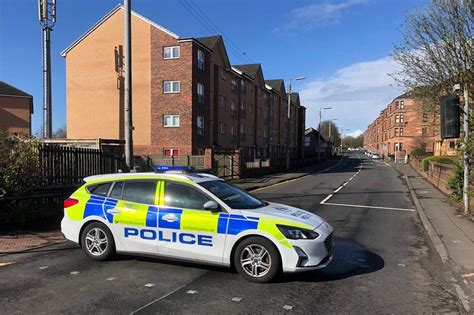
328 243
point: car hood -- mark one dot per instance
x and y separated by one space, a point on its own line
278 211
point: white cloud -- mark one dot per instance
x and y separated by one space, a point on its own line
309 16
355 134
356 94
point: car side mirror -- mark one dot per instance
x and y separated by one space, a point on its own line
211 205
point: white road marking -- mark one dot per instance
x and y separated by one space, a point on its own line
110 279
3 264
158 299
192 292
326 199
288 307
43 267
362 206
149 285
75 273
236 299
340 187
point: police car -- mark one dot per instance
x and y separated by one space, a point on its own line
178 214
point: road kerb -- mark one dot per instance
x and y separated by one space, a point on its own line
437 242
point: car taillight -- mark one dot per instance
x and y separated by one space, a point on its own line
69 202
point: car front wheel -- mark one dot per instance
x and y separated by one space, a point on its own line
257 259
97 241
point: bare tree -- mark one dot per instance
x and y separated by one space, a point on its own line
437 50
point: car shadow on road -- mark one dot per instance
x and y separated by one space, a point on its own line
350 259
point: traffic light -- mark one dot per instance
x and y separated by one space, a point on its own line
450 117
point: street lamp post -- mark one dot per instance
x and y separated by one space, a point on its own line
319 131
330 127
288 123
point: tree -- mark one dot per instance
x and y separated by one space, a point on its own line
354 142
437 51
335 135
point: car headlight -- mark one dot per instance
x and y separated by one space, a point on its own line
296 233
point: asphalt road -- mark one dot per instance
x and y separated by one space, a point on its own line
383 263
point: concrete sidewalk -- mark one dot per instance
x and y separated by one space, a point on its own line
27 240
455 231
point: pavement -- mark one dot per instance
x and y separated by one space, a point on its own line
452 233
15 242
384 262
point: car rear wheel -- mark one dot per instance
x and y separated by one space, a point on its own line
97 241
257 259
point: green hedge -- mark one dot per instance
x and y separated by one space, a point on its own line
439 159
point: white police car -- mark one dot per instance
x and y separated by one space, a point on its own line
195 217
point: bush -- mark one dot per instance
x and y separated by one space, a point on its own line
456 181
417 153
439 159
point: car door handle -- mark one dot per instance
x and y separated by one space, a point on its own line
170 218
113 211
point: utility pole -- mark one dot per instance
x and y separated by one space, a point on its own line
466 156
319 131
288 123
47 18
128 124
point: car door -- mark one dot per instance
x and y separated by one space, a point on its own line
186 230
131 208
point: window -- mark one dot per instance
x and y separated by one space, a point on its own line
401 132
402 104
452 145
140 191
232 105
100 189
250 130
233 85
171 52
223 74
242 86
222 101
116 191
200 125
424 131
307 141
402 118
242 105
170 121
232 131
259 132
242 128
183 197
397 119
425 117
259 112
222 128
200 92
397 105
171 87
264 133
171 152
232 196
396 132
200 59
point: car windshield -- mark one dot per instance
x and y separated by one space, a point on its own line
232 196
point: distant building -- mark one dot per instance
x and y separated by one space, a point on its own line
187 96
404 126
16 108
314 142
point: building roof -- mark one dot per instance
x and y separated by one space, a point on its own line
105 18
209 41
7 89
294 97
250 69
275 84
404 95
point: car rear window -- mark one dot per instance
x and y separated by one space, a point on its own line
99 189
140 191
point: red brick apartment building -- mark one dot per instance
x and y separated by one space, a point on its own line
187 96
16 108
403 126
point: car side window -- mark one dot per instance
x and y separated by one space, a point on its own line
116 191
140 191
99 189
181 196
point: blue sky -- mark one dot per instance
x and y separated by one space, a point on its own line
341 46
